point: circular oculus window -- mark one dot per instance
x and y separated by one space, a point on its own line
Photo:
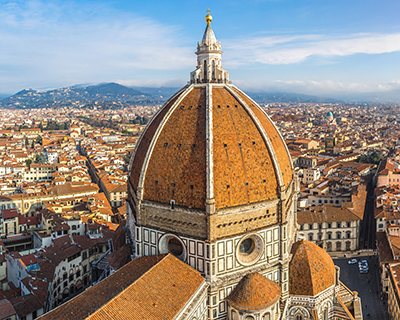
250 249
170 243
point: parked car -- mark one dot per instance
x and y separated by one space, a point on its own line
352 261
364 270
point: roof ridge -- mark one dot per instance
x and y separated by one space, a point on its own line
308 255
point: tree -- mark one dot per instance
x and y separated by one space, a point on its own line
28 163
40 158
26 141
373 158
38 140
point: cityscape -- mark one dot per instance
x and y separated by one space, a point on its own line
201 199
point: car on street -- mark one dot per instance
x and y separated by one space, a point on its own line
364 270
363 266
352 261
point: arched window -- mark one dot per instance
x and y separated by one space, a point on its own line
348 245
310 237
205 70
326 314
213 70
338 235
266 316
329 246
338 246
299 317
234 315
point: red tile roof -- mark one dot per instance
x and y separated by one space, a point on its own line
311 269
6 309
254 292
9 213
149 287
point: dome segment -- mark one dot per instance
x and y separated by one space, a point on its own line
254 292
311 269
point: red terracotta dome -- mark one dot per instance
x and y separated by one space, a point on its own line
254 292
210 141
311 269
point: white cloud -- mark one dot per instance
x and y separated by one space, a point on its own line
295 49
327 87
45 44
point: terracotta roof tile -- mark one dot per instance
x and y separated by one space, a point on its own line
149 287
277 142
254 292
6 309
326 214
243 168
145 140
177 168
311 269
159 294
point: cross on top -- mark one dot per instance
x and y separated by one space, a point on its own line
208 11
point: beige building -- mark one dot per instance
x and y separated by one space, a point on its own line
40 172
332 228
310 175
28 203
393 291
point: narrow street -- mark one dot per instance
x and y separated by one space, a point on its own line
367 225
367 285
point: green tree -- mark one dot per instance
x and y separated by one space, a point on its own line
40 158
374 158
28 163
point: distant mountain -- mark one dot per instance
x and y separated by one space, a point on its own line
270 97
164 92
75 96
391 96
113 95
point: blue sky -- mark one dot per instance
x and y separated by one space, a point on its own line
320 47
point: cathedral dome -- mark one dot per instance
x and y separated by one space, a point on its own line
311 269
209 148
254 292
210 139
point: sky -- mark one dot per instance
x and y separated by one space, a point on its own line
320 47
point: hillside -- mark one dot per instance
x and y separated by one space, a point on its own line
74 96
